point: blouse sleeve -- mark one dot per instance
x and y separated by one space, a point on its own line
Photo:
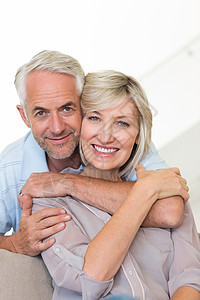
185 270
65 259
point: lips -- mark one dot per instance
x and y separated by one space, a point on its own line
104 151
59 140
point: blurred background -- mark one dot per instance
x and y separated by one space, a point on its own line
156 41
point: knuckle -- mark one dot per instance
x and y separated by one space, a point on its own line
46 223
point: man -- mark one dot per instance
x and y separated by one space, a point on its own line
49 88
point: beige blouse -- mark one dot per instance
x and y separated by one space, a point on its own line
158 262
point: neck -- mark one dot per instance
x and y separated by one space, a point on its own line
112 175
57 165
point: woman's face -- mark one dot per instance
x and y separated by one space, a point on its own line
108 135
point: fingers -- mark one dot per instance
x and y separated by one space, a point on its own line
52 221
46 245
49 212
184 189
34 228
175 170
37 241
47 232
139 167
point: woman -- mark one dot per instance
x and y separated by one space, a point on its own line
97 255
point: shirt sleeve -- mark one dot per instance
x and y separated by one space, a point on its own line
5 220
65 259
185 270
152 161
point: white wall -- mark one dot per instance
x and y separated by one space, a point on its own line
128 35
133 36
173 89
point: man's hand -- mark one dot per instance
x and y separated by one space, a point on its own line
48 184
37 227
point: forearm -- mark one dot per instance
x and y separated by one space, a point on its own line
103 194
107 250
165 213
186 293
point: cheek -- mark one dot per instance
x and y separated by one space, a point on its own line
38 128
74 123
128 140
87 131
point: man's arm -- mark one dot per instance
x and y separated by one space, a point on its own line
108 196
34 228
186 293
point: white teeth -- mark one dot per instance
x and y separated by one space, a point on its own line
104 150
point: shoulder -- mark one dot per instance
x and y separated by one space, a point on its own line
152 161
13 152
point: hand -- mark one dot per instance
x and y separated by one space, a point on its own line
37 227
165 182
47 184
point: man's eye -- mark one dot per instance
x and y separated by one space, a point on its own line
40 113
67 108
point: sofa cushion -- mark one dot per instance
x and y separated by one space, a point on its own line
23 277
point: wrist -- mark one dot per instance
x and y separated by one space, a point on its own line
147 190
9 243
69 184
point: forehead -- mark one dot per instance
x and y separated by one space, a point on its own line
41 80
43 86
125 108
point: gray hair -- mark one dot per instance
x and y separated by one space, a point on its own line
107 89
51 61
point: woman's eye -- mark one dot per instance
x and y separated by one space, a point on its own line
121 123
94 118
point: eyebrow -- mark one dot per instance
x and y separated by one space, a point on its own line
119 116
69 103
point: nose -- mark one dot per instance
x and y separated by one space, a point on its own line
56 124
106 135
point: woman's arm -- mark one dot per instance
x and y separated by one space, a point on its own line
186 293
108 249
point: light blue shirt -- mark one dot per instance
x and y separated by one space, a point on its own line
24 157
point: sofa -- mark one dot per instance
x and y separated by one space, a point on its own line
24 278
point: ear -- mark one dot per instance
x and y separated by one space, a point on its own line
23 116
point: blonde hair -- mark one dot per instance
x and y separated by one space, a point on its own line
107 89
51 61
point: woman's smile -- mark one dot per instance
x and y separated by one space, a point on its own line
105 151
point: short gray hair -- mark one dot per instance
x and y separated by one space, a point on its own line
107 89
51 61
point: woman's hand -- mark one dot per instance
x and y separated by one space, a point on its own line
165 183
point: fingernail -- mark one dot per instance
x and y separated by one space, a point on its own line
61 226
62 211
67 217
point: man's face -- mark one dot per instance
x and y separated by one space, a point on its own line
53 112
